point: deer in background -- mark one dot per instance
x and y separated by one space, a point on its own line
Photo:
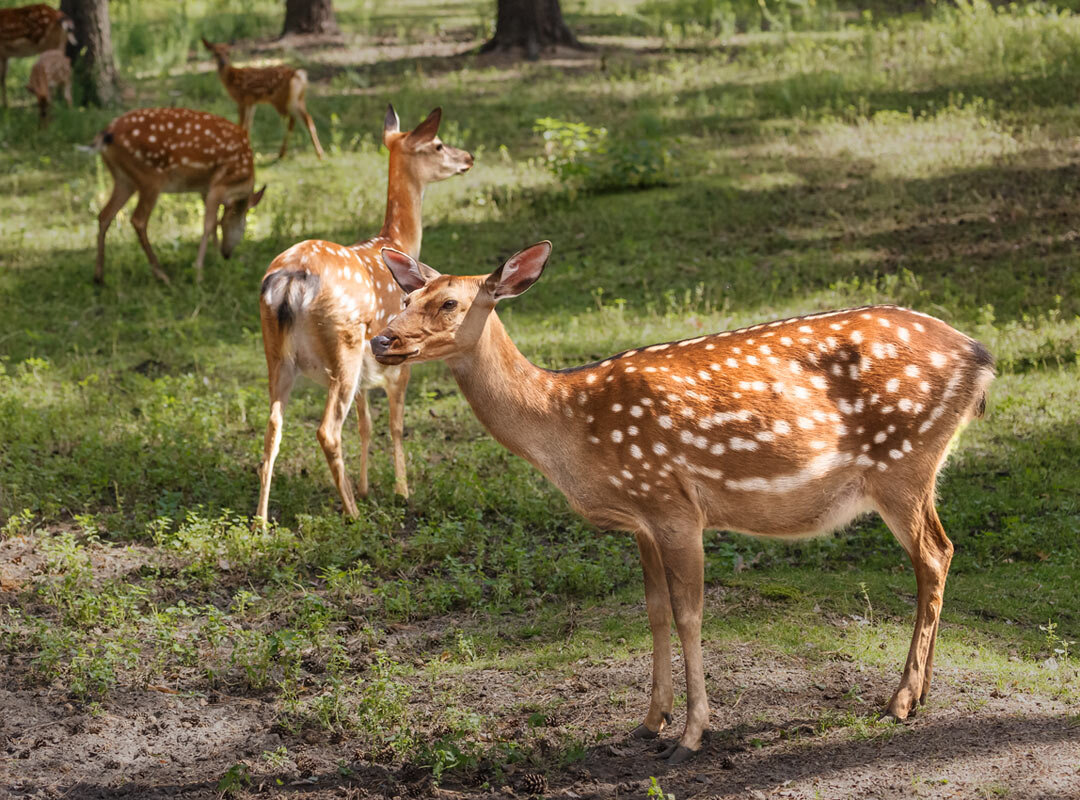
784 429
52 70
321 303
154 151
29 30
281 87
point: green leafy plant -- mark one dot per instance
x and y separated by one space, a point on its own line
587 158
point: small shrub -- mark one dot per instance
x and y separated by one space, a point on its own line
586 158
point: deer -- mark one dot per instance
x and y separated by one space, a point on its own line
29 30
155 151
281 87
52 70
786 429
320 303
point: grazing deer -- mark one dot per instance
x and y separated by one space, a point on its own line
50 71
281 87
29 30
784 429
321 303
156 151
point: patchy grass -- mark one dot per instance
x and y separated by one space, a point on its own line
927 159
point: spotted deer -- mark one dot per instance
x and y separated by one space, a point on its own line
784 429
29 30
155 151
281 87
321 303
51 71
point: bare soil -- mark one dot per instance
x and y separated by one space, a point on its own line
782 727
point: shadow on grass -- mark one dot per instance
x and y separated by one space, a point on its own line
1007 738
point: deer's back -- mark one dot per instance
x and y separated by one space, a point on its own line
782 428
30 29
185 149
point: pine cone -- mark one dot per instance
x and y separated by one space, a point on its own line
533 782
306 765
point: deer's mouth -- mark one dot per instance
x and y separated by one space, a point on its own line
393 359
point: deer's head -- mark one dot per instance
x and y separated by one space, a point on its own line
445 315
220 51
422 154
234 220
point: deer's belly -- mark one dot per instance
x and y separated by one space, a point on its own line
19 48
816 507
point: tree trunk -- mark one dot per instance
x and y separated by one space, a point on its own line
530 25
309 16
94 72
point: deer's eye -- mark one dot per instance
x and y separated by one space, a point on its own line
449 305
439 146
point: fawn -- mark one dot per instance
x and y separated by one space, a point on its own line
784 429
281 87
156 151
322 302
50 71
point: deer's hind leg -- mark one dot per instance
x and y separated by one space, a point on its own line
282 376
122 191
919 530
340 394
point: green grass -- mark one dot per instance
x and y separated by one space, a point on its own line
927 160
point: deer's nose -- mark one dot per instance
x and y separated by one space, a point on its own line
380 344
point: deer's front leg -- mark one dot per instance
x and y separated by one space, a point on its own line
659 608
684 563
213 200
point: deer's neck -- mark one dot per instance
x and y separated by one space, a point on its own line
404 205
519 403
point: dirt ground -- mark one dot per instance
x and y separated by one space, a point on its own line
767 740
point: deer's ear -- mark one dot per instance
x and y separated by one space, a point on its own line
255 198
391 124
428 129
409 273
207 44
519 272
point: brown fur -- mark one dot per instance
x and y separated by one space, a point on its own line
154 151
281 87
784 429
321 303
29 30
50 71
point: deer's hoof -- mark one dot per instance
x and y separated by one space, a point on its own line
677 754
643 731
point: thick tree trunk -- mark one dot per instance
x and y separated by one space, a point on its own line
309 16
530 25
94 72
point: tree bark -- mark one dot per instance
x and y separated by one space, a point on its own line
93 68
530 25
309 16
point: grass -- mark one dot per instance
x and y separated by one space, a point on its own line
922 159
